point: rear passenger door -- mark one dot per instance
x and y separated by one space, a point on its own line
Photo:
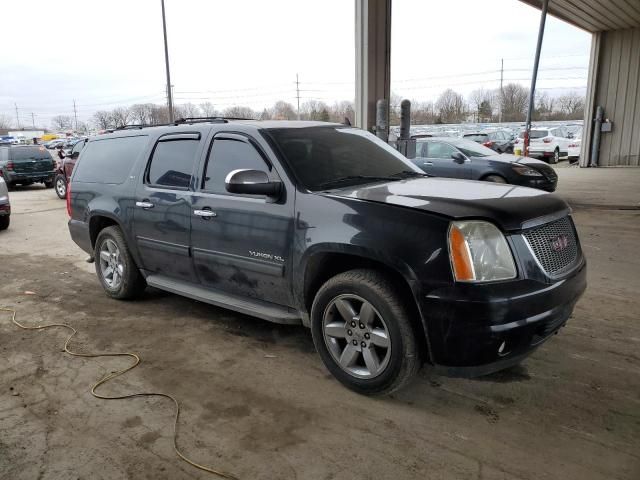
241 243
162 220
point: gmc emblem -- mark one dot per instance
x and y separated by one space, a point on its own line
559 243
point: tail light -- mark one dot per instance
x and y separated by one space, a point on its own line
69 199
547 140
488 143
517 140
573 145
10 165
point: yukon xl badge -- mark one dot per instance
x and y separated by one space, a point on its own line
559 243
266 256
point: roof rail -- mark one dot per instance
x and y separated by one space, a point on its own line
132 126
208 119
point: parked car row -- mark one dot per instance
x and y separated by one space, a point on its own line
463 158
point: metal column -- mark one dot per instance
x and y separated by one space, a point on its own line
534 77
373 58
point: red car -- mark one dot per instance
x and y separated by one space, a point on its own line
65 167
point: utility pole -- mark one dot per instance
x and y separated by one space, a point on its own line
298 94
17 116
75 113
33 120
166 62
501 93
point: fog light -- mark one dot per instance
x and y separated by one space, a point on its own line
502 348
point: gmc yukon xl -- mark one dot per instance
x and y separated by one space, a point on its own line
327 226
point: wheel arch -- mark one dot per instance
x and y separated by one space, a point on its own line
322 264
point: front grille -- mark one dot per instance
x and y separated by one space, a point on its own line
554 245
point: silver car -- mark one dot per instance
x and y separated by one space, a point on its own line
5 206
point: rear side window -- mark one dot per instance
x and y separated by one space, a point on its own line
226 156
440 150
172 163
27 153
536 134
109 160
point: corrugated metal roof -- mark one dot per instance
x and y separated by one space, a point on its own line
594 15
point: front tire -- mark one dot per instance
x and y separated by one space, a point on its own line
495 179
116 270
363 333
61 186
4 222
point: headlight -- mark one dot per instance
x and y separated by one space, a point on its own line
479 252
524 170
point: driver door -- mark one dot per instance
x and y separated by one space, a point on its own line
437 161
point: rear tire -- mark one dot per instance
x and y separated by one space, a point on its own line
61 186
386 354
116 270
4 222
556 156
495 179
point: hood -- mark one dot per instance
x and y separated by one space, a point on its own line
509 206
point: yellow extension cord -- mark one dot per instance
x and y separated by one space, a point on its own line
115 374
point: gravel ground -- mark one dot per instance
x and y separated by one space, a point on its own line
258 402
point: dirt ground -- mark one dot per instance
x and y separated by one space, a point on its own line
258 402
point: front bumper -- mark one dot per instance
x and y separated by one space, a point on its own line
468 323
539 183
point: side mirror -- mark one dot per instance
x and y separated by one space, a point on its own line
252 182
74 155
458 157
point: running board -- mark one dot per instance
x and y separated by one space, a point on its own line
253 307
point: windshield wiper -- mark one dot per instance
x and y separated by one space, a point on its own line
339 180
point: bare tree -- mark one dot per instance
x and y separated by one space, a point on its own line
159 114
141 113
571 106
422 113
282 110
314 110
120 116
482 104
208 110
61 122
544 107
5 121
341 110
186 110
102 119
515 101
451 107
265 115
240 112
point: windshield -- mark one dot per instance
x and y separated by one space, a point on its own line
323 157
536 134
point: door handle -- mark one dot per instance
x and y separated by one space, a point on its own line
428 164
144 205
205 213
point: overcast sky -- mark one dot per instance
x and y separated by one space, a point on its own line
105 54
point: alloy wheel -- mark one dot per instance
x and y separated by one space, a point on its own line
111 264
61 187
356 336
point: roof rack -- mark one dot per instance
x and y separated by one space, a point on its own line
208 119
132 126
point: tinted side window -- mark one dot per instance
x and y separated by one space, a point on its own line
109 160
226 156
172 163
440 150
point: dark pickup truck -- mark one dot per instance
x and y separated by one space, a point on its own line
328 226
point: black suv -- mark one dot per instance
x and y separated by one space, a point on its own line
328 226
497 140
